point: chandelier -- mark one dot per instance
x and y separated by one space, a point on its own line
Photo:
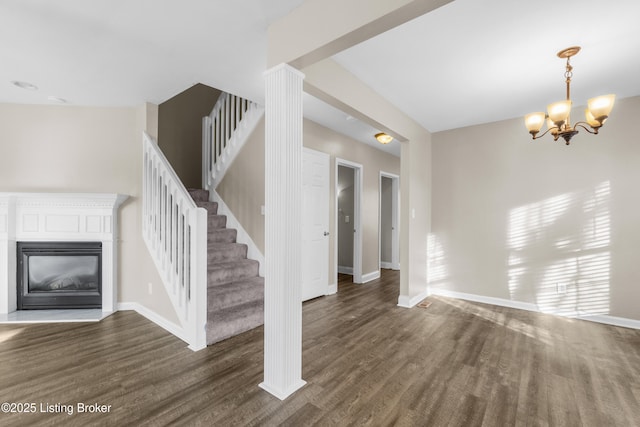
558 113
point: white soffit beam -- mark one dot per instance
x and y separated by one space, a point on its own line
318 29
330 82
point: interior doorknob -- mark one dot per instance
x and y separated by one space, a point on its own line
326 233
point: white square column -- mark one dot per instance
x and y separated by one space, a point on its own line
283 231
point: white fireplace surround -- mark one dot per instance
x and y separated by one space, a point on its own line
59 217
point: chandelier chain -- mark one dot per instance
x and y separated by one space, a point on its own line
567 75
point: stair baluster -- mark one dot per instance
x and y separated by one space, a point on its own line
174 230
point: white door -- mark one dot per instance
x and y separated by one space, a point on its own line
315 224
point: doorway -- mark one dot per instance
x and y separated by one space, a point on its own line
348 241
389 235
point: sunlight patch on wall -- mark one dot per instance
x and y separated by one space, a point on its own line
436 265
559 252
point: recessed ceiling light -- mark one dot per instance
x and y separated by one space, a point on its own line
24 85
57 99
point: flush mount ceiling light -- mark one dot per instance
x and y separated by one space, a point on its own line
24 85
383 138
558 113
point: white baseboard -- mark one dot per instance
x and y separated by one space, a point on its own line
332 289
370 276
612 320
168 326
389 265
486 300
345 270
242 237
407 302
608 320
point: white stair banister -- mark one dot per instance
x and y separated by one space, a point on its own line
224 131
175 232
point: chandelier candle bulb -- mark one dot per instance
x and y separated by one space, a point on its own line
534 122
559 112
591 120
601 106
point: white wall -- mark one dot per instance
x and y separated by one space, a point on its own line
516 219
87 149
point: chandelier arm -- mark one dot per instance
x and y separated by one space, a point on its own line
545 132
588 129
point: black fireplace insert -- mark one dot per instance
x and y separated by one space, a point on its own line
59 275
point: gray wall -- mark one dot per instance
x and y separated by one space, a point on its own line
515 219
180 131
345 213
386 219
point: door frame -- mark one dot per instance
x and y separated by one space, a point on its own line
395 220
357 218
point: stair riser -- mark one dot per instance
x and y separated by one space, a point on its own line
216 221
222 235
231 252
221 297
236 273
218 331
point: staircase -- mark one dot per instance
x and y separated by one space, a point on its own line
235 291
215 290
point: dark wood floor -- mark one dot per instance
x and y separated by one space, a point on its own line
366 361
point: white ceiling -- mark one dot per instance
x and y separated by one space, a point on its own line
472 62
466 63
127 52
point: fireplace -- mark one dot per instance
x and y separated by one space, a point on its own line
64 218
59 275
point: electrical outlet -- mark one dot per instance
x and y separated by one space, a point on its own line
150 285
561 288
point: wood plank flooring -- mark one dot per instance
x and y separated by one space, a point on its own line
366 362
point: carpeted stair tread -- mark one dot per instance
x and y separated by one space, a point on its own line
211 207
234 293
234 320
231 271
198 194
220 252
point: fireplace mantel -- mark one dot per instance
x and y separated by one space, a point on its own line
58 217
